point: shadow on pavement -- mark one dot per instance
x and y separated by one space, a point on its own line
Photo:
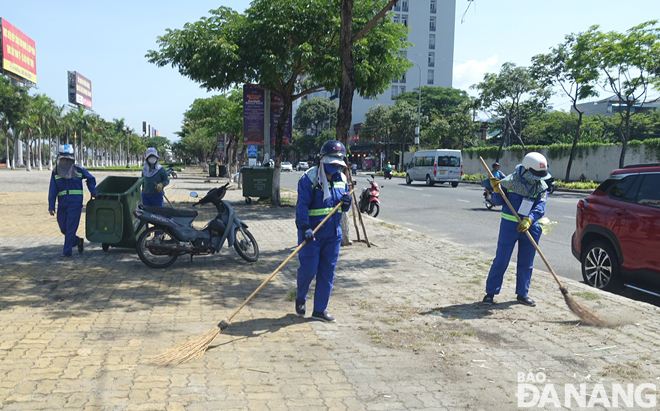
469 311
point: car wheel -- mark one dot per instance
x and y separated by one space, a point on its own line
600 266
429 182
408 179
454 184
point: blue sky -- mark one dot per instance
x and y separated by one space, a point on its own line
106 42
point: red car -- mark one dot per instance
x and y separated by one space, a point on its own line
617 232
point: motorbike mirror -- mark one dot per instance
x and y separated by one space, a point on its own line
194 194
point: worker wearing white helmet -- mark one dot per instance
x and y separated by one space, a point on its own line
66 187
526 190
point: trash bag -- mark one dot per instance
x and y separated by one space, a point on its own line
547 225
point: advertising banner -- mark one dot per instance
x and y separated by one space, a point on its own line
19 54
254 103
83 91
220 146
276 108
252 151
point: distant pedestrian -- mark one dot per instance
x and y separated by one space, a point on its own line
66 186
526 191
320 189
155 179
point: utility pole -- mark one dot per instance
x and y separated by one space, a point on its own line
419 106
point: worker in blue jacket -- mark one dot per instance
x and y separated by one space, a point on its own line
155 179
66 186
526 191
320 189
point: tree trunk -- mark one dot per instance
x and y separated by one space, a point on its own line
275 198
8 165
576 138
28 165
50 150
624 138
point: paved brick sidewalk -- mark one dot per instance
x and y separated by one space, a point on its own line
409 336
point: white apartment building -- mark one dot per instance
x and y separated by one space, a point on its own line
431 32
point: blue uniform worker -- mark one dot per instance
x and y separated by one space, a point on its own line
320 189
155 178
66 187
526 191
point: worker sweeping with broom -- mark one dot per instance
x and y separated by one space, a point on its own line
526 191
320 189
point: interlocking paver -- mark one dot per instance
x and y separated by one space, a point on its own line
79 334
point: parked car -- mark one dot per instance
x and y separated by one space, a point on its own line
617 231
436 166
286 166
302 166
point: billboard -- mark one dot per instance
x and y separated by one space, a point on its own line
19 55
80 90
276 108
254 103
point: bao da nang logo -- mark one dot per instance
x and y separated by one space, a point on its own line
535 391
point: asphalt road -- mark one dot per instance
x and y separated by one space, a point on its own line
459 215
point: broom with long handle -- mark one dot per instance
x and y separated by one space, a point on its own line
586 315
196 347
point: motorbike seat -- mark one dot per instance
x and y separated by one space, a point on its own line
170 212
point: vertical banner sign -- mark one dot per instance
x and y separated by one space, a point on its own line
19 54
254 102
276 109
220 147
252 151
84 92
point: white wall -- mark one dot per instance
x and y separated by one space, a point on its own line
596 164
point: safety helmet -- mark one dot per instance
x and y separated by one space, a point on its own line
495 164
66 151
536 164
333 152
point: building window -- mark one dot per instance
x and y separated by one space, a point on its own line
403 78
397 6
432 41
432 23
433 2
404 5
429 79
404 19
431 59
395 91
395 19
403 89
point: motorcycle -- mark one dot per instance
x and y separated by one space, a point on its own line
387 174
488 198
551 185
170 232
369 202
171 172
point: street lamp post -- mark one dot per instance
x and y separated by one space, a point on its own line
419 105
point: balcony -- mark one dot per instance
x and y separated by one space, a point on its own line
431 46
433 10
431 63
432 26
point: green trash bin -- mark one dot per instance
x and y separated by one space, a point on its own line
213 170
257 182
109 218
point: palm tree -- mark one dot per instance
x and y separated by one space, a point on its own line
81 121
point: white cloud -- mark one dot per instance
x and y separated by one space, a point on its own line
472 72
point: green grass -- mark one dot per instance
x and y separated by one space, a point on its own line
577 185
587 295
291 295
479 177
394 173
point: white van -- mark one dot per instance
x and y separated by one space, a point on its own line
436 166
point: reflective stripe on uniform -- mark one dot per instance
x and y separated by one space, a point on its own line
58 177
509 217
73 192
320 211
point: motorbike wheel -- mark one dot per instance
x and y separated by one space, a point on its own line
489 205
246 246
154 258
174 174
373 210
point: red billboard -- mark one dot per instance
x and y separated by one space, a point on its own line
80 90
19 54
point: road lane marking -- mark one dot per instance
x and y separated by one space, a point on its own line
413 188
426 195
462 201
569 216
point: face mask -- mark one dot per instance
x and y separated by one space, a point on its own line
152 160
331 168
66 162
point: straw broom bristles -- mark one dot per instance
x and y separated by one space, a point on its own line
190 350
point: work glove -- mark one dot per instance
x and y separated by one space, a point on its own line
95 195
346 199
524 225
308 234
159 187
51 212
495 182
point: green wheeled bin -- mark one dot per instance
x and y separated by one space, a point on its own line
213 170
109 219
257 182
